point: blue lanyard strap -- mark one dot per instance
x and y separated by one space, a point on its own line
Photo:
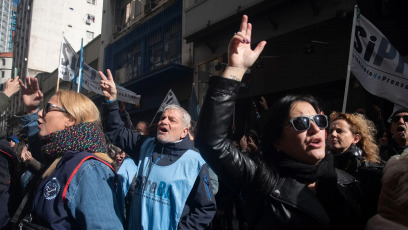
158 159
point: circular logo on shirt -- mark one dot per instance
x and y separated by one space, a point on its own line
51 189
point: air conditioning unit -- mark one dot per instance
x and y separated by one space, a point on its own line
120 76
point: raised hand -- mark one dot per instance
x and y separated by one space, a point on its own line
26 155
31 94
12 87
243 143
251 145
263 103
240 54
108 86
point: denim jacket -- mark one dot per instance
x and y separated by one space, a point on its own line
91 203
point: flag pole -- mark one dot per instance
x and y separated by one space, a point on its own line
153 119
80 66
59 65
353 30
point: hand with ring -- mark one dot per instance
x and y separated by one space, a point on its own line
240 54
108 86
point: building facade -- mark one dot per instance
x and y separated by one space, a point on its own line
307 47
6 16
39 30
41 25
13 28
6 65
143 47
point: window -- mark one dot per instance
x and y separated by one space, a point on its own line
2 74
3 61
93 2
89 34
89 18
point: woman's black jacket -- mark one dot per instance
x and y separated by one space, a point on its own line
287 204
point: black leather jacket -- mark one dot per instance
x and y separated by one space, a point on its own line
289 204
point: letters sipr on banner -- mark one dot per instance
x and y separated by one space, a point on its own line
377 65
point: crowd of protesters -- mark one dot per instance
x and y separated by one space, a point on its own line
294 168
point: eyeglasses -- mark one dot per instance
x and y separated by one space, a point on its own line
398 118
302 123
48 106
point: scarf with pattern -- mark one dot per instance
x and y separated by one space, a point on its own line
86 136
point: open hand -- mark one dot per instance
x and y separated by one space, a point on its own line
263 103
31 94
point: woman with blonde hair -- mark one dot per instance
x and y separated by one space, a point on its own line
351 140
76 191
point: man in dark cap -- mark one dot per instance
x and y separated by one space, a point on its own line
399 133
13 140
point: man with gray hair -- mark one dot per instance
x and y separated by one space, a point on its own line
173 188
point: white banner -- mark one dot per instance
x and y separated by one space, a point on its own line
69 61
377 64
69 65
170 99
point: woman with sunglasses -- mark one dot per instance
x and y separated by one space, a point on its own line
295 185
76 190
351 140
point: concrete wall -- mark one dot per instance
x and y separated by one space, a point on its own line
288 27
200 14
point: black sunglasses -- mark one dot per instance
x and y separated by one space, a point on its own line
398 118
48 106
302 123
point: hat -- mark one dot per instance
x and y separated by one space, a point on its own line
13 138
397 109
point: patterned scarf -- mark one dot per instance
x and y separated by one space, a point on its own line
86 136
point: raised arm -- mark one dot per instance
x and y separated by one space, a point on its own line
216 114
126 139
32 97
12 87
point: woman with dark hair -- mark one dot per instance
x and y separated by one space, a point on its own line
295 185
76 190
